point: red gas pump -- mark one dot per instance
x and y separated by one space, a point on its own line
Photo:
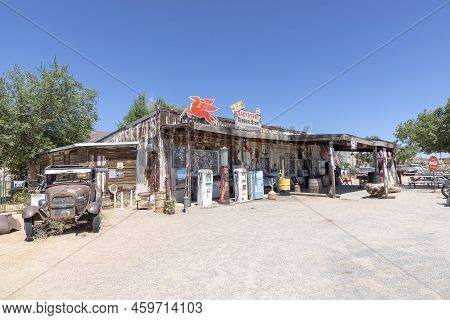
224 177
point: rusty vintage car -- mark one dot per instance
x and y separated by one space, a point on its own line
71 197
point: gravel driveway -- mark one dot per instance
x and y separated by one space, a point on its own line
292 248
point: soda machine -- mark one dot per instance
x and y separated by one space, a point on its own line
240 185
258 185
205 187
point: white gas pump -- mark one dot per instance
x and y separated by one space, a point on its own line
240 185
205 187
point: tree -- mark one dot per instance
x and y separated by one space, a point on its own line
405 154
137 110
40 111
161 103
429 132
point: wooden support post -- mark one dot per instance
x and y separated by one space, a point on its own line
375 159
332 169
188 165
385 178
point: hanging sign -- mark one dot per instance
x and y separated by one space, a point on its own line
112 173
202 108
433 163
248 120
235 107
119 165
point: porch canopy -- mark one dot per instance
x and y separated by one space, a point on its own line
341 142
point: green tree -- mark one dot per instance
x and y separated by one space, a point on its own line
137 110
405 154
40 111
161 103
429 132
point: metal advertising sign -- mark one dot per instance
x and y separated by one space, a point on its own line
248 120
433 163
202 108
237 106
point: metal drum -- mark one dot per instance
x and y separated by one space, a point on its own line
313 185
374 177
284 184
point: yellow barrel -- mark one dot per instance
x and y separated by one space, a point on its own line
160 199
284 184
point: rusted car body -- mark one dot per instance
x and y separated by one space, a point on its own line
71 197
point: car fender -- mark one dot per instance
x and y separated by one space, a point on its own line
94 207
30 211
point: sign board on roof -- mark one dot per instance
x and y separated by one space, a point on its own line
248 120
235 107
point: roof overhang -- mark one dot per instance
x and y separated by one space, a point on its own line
96 144
341 142
68 170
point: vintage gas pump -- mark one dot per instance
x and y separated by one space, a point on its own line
205 187
240 185
224 177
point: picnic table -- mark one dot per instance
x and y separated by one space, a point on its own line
429 179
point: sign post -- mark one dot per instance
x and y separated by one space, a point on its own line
433 164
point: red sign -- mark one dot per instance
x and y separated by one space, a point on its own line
433 163
201 108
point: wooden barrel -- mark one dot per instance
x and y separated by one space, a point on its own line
313 185
169 207
160 198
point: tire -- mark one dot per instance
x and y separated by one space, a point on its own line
29 232
445 190
95 223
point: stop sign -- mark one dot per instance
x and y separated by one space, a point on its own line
433 163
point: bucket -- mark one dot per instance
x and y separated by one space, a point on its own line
313 186
160 198
169 207
284 184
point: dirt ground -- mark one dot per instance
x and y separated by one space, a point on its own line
293 248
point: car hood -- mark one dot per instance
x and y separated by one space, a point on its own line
73 189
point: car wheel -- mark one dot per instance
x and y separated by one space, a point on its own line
445 191
28 226
95 223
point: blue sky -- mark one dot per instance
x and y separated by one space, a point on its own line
268 53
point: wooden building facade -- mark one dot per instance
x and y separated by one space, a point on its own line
164 150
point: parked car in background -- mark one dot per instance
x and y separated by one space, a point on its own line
71 197
413 169
364 170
